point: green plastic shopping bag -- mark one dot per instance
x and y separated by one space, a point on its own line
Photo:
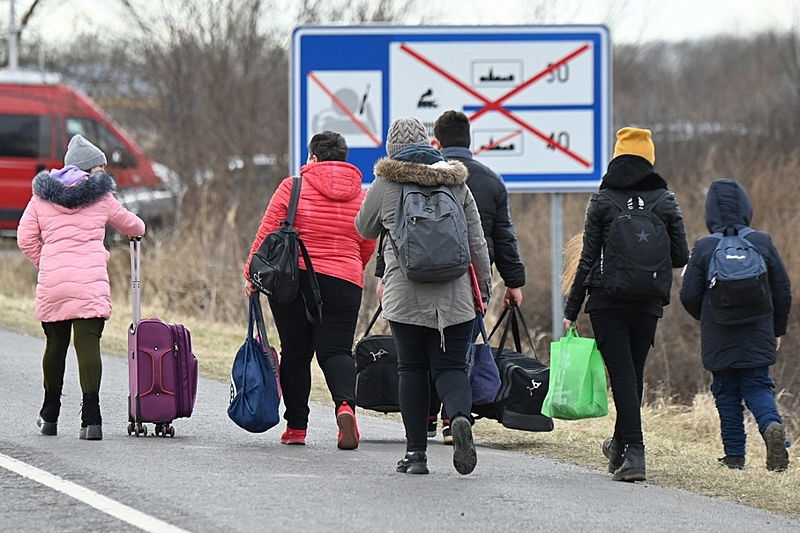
577 379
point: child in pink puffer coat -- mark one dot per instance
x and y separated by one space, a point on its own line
61 232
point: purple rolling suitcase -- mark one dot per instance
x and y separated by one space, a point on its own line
162 370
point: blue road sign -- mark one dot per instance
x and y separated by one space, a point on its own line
538 97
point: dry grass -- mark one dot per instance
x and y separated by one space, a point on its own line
683 441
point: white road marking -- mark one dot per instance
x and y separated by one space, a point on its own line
102 503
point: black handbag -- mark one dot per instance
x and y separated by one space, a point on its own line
376 371
274 268
524 381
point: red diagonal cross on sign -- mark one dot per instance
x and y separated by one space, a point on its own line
495 106
341 105
553 66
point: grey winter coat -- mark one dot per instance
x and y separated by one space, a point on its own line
433 305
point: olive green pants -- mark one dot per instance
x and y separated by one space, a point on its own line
87 346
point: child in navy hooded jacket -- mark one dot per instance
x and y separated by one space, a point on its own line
739 356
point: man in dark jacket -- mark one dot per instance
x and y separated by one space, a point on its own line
452 137
739 356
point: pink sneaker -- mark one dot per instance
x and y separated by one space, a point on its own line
294 436
348 429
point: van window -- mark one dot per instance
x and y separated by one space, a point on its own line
25 136
115 150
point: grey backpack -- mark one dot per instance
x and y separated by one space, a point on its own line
431 241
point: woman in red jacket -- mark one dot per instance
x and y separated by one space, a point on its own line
330 197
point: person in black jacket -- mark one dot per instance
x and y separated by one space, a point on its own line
739 356
625 328
452 136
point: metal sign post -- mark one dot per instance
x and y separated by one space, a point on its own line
557 240
538 98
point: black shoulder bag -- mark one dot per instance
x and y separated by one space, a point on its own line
274 268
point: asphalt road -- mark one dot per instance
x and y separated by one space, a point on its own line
214 476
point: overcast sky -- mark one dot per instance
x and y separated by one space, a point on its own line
632 21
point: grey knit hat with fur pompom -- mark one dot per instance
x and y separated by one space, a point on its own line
405 131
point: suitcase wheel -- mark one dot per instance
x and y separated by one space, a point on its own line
137 429
165 430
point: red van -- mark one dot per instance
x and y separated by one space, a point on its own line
38 116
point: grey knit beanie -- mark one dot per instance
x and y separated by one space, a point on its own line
405 131
83 154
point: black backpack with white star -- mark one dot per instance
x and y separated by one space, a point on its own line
635 260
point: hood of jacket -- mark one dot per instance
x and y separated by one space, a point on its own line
337 180
727 205
83 193
632 172
421 165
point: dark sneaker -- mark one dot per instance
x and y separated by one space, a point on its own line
777 455
431 426
464 456
734 462
612 449
447 433
413 463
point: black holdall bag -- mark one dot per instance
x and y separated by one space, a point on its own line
523 381
377 381
274 268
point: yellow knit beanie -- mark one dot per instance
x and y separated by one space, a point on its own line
635 141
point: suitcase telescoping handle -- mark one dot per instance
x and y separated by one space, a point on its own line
136 280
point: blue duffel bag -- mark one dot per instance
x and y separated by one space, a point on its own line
254 391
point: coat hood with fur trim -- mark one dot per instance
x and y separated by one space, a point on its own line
442 173
81 194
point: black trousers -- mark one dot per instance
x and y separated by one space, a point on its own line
624 339
87 347
419 353
331 340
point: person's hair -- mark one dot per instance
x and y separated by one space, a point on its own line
452 129
572 256
328 146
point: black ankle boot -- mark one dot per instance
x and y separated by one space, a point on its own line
632 468
91 423
413 463
48 416
612 449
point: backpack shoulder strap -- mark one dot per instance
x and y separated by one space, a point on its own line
606 194
654 204
744 232
297 183
314 308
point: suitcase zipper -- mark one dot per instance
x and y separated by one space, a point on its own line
175 351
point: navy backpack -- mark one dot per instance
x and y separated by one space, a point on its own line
738 284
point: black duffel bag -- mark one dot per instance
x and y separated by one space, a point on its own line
376 371
523 381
